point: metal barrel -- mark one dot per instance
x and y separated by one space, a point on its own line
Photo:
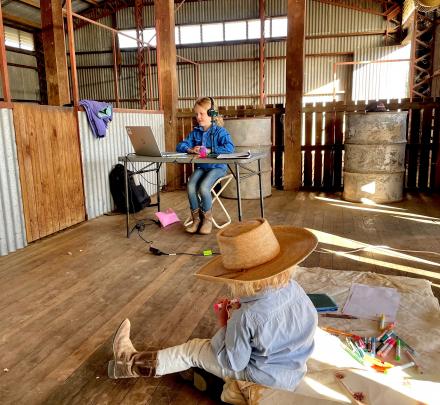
252 134
374 160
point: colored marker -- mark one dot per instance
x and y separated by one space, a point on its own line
388 349
382 322
389 344
398 349
418 366
387 329
402 367
373 346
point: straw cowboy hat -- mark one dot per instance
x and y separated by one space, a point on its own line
253 251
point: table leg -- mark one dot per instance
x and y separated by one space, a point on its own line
237 180
158 185
261 189
127 210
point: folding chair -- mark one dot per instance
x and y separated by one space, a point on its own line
224 181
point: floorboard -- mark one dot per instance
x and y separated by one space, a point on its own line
64 296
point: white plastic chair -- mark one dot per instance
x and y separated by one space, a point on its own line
225 180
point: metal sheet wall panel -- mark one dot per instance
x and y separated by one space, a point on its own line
126 20
100 155
216 10
327 19
92 37
23 82
12 228
381 80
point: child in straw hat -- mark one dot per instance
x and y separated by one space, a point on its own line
268 339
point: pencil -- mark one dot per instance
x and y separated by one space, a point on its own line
343 316
339 332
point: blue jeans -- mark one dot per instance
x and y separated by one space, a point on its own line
199 187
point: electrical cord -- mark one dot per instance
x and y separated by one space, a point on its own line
157 252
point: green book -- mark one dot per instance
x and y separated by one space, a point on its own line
323 302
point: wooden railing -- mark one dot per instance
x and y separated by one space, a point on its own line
323 141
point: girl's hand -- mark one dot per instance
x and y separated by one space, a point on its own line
196 149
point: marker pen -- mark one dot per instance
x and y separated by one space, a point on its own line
402 367
398 351
373 346
388 344
388 349
382 322
387 329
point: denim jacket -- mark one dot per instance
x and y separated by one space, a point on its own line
216 135
270 337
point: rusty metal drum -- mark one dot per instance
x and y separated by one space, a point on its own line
374 161
252 134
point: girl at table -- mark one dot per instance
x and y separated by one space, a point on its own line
208 136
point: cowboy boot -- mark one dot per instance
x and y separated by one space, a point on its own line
128 362
206 227
192 228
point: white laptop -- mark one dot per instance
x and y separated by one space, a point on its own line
144 143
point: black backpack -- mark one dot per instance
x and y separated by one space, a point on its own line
138 197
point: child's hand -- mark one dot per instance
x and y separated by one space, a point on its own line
221 308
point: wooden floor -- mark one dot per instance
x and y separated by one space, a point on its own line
63 297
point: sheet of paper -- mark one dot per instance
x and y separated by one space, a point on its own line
371 302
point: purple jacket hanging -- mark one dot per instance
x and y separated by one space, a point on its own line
98 115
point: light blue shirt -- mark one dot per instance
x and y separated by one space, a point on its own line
270 337
215 138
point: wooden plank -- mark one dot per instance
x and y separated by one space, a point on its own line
167 77
50 163
27 181
317 172
425 148
435 161
339 140
329 153
279 149
412 153
57 77
294 92
308 164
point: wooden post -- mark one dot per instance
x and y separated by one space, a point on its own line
167 76
57 77
73 73
3 63
294 91
262 45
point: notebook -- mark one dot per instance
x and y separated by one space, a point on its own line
323 302
144 143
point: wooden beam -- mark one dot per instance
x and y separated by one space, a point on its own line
167 77
3 63
57 78
32 3
294 90
73 72
21 21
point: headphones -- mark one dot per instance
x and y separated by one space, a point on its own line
212 112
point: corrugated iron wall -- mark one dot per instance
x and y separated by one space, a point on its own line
100 155
381 80
12 229
232 81
23 81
